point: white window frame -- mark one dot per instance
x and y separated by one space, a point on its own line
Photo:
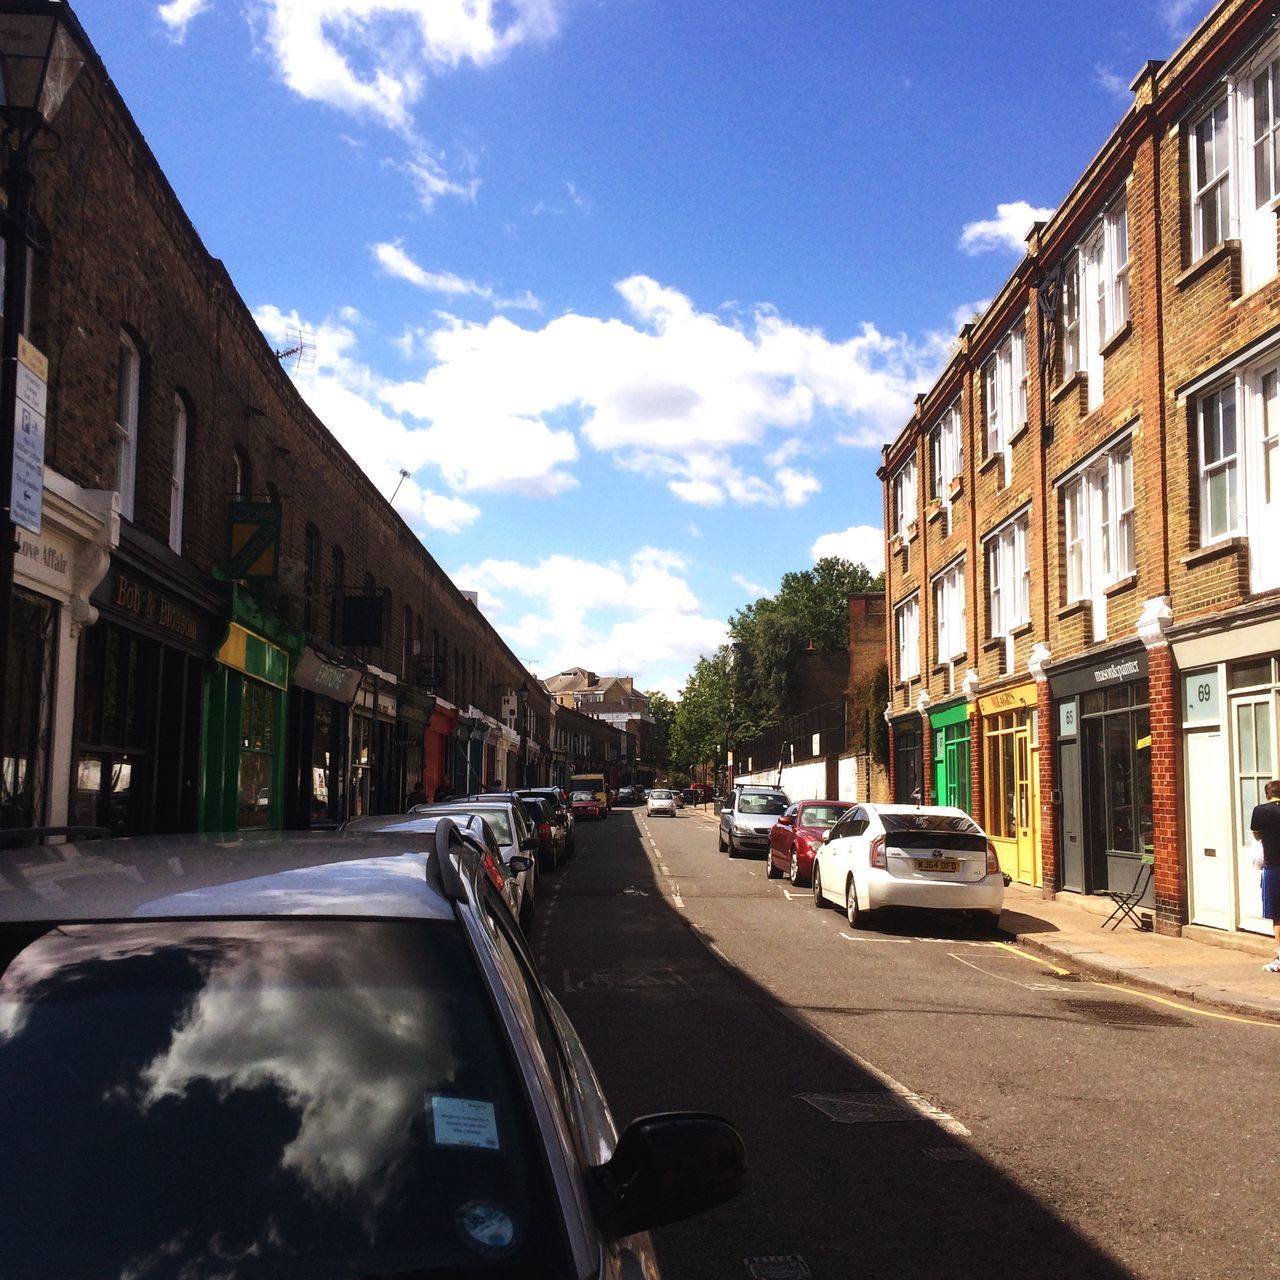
129 375
1098 527
178 479
1008 576
1219 412
1095 299
906 621
1211 185
949 625
946 447
1004 388
905 498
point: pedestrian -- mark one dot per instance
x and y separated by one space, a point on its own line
443 792
417 796
1265 825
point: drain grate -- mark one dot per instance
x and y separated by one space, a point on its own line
778 1266
1122 1013
947 1155
860 1108
654 978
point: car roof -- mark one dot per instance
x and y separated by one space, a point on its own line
950 810
379 874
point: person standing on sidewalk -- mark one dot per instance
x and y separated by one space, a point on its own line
1265 825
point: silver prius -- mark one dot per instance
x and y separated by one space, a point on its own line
887 855
310 1057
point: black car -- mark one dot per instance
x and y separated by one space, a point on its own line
561 809
315 1057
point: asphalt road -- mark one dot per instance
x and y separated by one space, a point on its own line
917 1099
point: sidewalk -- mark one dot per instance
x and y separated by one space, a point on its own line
1209 966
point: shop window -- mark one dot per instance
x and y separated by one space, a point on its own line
25 735
259 708
1252 673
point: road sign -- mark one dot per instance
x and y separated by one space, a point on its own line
26 496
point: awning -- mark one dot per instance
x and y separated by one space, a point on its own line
317 674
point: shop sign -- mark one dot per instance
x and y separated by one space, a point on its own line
318 675
45 560
1067 721
253 540
154 607
244 651
1201 697
1106 674
1008 699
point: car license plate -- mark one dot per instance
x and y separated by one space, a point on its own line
937 864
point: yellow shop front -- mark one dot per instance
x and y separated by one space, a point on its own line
1009 724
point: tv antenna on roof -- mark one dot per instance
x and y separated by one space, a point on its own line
300 348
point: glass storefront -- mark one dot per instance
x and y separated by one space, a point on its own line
24 738
908 763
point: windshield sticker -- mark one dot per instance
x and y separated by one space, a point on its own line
486 1226
463 1122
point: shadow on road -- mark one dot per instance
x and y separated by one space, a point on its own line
669 1025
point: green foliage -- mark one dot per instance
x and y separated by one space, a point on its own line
868 731
663 711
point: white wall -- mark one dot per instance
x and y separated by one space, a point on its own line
808 781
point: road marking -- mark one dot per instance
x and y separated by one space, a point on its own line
791 897
675 893
1026 986
863 937
1026 955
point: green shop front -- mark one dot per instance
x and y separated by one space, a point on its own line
244 745
949 728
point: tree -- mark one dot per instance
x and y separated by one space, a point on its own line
819 599
663 711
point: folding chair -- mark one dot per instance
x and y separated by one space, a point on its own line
1126 900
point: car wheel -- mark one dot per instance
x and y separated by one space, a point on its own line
794 870
771 870
851 904
720 840
733 848
818 900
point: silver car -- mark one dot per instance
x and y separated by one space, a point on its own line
318 1056
747 818
661 801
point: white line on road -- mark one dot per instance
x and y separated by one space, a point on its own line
791 897
675 893
1004 977
863 937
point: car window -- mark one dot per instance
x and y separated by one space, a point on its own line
761 804
848 825
790 811
941 822
307 1099
821 815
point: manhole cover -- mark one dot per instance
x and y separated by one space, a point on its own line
947 1155
1122 1013
860 1108
658 978
781 1266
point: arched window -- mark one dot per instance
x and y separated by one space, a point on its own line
178 473
128 384
242 476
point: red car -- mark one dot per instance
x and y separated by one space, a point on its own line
585 805
797 834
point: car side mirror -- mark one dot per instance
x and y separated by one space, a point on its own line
529 843
784 821
667 1167
518 863
826 834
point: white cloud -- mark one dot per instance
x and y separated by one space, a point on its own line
797 487
753 589
372 57
1111 81
634 616
177 15
1179 16
860 544
1007 230
431 181
393 259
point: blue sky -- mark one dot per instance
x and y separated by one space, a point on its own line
634 289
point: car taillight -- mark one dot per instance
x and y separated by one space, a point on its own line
544 831
878 858
993 860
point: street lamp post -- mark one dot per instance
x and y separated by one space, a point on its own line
523 699
39 61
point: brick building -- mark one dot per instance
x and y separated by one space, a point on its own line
149 691
616 701
1084 597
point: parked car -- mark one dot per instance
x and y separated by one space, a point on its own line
881 855
747 818
585 805
678 797
561 809
512 822
691 795
661 800
317 1056
538 809
796 835
491 828
630 796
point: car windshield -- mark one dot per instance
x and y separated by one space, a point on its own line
822 815
660 795
953 822
582 797
761 804
252 1099
499 820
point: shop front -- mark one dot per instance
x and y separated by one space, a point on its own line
1011 779
1104 770
321 691
413 716
244 733
374 785
950 729
908 759
55 573
141 693
438 748
1230 705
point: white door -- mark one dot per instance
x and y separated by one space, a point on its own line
1263 479
1254 723
1209 831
